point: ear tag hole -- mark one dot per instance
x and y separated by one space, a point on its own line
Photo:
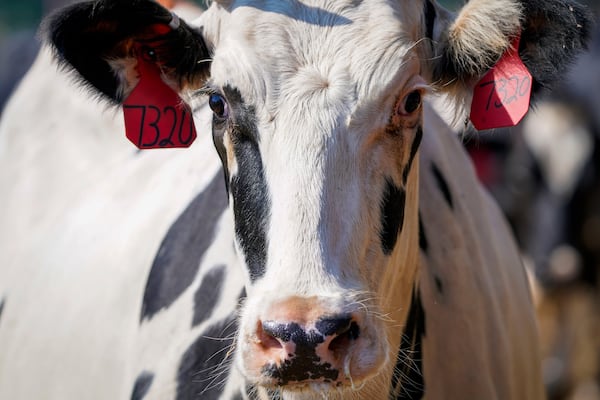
156 117
148 54
501 98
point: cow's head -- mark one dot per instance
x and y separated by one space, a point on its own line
317 120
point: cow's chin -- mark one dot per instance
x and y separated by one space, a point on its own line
316 390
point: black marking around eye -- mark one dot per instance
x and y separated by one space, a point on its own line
413 152
392 215
208 294
423 243
218 141
142 385
251 203
181 251
408 382
442 184
202 370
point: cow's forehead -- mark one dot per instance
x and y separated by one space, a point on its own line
274 51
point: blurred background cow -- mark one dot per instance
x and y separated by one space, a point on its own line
545 174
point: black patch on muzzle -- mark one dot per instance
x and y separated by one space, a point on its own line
142 385
208 294
248 187
181 251
442 184
305 364
392 215
204 364
408 382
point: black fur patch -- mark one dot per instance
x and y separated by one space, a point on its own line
442 184
142 385
423 243
248 187
554 33
180 254
84 35
408 382
208 294
413 152
392 215
217 136
204 365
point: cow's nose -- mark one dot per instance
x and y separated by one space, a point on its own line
320 348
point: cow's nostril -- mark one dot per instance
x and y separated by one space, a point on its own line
340 343
268 335
291 332
276 330
334 326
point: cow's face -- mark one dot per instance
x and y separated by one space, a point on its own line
317 120
317 142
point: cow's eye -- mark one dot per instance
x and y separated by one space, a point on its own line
412 102
218 105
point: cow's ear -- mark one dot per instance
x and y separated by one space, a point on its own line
102 41
466 45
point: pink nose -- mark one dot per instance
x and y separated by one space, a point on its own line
299 353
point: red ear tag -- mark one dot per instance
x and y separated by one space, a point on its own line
155 116
501 97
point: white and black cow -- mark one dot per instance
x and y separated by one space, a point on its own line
351 252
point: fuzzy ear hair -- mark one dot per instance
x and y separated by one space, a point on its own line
98 39
466 46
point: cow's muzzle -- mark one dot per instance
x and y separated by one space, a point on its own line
298 343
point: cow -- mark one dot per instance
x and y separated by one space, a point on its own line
351 252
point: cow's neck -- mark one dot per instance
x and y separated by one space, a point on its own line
401 272
398 284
